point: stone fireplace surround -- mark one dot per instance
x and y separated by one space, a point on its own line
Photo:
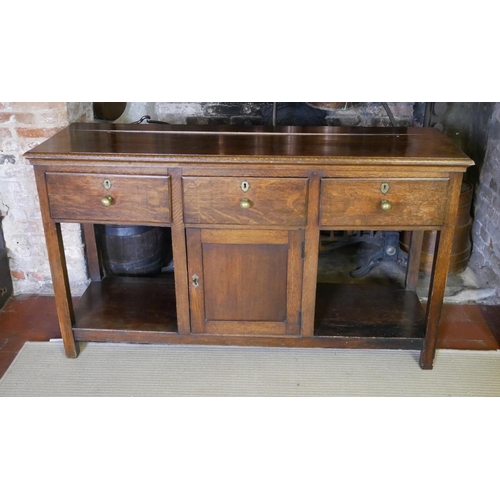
475 127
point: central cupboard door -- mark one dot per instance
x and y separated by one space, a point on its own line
245 282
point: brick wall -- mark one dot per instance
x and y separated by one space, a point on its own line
23 125
486 228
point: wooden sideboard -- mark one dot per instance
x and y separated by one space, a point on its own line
246 206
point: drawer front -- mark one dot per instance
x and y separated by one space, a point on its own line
119 198
383 202
223 200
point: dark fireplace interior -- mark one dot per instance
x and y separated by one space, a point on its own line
5 279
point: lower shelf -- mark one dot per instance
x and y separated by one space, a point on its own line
368 311
143 310
128 304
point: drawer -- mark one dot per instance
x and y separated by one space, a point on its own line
228 200
361 202
131 198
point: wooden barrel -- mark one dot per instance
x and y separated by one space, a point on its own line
109 110
135 250
462 244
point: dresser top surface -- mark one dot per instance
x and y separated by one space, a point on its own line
347 145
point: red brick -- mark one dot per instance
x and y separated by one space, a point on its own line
18 275
452 313
37 132
35 106
473 313
5 117
26 118
36 276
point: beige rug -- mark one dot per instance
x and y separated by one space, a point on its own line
104 369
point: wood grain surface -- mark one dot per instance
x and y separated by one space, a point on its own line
272 201
357 202
349 145
135 198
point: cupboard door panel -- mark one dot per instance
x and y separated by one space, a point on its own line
245 282
256 290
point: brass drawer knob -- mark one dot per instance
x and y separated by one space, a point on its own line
107 201
385 205
245 203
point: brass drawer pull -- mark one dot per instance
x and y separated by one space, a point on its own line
385 205
107 201
245 203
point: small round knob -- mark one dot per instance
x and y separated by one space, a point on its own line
107 201
385 205
245 203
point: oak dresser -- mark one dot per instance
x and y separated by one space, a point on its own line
246 207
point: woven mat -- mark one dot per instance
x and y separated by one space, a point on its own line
104 369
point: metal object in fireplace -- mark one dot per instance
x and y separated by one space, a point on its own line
383 247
